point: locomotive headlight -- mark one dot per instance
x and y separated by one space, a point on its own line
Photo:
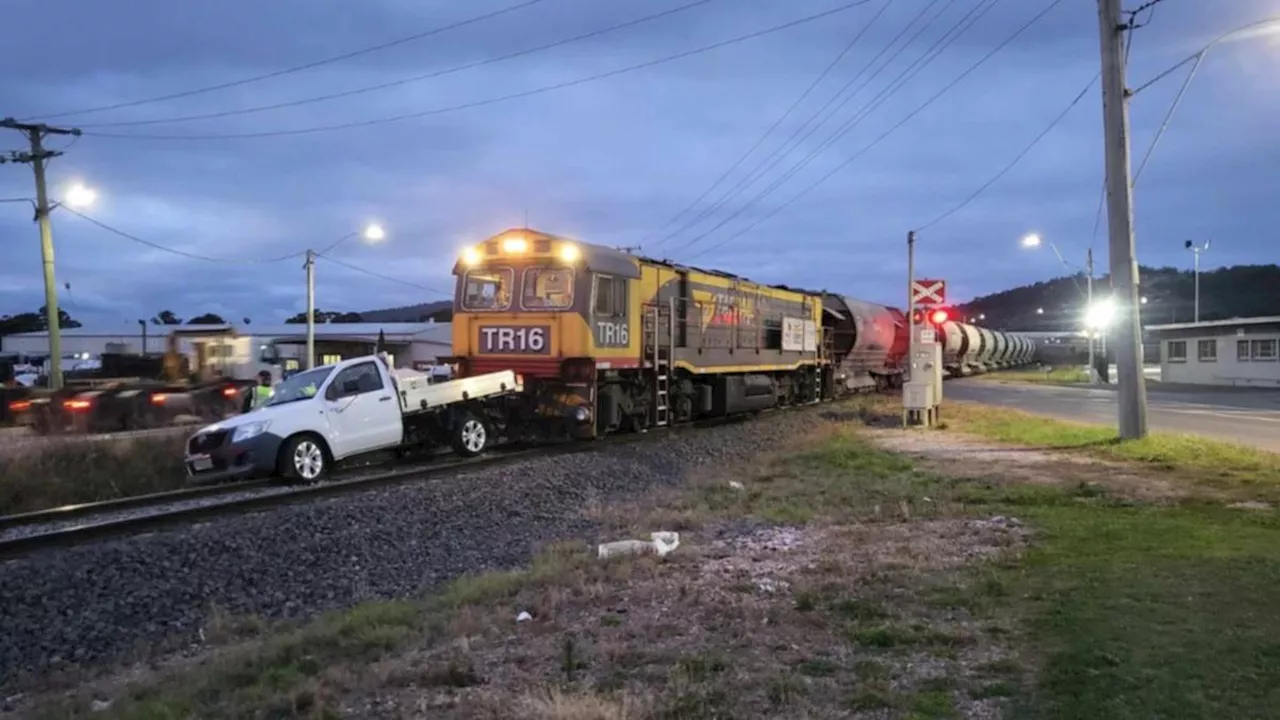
514 245
471 256
582 413
570 253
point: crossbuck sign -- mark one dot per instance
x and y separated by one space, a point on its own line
929 292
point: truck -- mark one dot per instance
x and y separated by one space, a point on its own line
136 392
320 418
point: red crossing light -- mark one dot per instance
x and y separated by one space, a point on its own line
939 316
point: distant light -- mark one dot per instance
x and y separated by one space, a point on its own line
374 233
79 197
1039 311
1031 240
1143 300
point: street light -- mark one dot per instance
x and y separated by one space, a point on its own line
1039 311
1100 314
371 233
80 197
1197 249
1033 240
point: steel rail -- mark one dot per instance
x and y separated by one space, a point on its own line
68 512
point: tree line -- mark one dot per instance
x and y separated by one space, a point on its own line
1058 305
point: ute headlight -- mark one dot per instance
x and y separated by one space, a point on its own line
249 431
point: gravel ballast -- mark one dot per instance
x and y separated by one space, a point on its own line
129 598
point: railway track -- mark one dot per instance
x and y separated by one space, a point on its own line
75 524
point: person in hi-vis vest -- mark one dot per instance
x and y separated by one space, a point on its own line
259 394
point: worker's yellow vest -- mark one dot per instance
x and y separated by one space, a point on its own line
261 394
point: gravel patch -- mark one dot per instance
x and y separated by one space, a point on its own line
133 598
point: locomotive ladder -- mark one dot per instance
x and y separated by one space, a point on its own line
660 358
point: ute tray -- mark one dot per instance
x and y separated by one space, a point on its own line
421 397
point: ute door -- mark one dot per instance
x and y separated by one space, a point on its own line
362 410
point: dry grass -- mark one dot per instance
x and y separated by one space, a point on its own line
63 471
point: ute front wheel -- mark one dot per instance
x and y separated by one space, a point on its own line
470 435
303 458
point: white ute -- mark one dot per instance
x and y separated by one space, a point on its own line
323 416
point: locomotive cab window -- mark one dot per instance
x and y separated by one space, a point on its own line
547 288
487 289
611 296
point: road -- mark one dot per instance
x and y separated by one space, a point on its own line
1245 416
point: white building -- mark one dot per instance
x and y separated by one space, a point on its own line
1240 351
411 344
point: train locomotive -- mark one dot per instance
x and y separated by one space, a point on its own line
608 341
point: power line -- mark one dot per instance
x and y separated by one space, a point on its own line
128 236
297 68
788 145
383 277
760 141
1018 158
503 98
890 131
406 81
930 54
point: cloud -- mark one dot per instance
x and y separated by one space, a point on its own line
612 161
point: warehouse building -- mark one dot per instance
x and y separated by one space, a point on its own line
1239 351
416 345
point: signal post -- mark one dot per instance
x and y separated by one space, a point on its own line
922 391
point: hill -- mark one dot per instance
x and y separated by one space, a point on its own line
1237 291
411 313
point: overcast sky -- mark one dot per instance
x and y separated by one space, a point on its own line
613 160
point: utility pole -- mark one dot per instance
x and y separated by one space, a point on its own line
1088 306
1124 268
911 300
1197 250
311 309
37 156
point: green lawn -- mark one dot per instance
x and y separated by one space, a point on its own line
1145 613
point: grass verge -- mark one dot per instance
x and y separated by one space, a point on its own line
1212 464
54 472
1046 375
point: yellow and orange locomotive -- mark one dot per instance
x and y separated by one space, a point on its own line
606 340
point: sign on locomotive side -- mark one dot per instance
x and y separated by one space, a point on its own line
929 292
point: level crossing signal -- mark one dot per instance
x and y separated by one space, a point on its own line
934 316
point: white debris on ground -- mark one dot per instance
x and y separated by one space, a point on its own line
660 543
